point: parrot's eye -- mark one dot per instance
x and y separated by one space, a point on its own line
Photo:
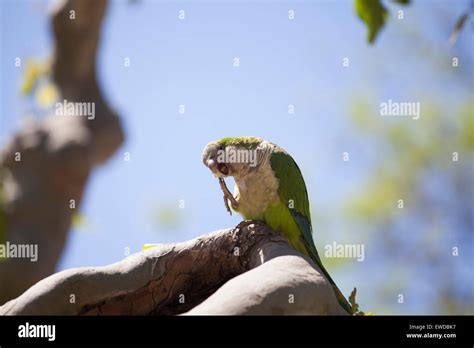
222 167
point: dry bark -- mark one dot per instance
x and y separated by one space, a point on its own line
245 270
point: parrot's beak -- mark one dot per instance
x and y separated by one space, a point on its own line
211 164
218 169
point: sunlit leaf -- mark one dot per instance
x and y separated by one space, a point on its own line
46 95
374 14
33 72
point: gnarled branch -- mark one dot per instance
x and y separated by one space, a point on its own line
245 270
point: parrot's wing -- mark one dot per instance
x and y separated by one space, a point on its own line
292 192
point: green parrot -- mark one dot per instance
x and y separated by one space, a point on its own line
269 187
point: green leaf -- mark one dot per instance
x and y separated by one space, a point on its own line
402 2
33 72
373 14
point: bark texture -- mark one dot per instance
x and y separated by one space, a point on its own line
245 270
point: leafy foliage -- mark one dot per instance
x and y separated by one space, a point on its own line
429 166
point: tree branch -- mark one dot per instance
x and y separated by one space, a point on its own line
245 270
46 164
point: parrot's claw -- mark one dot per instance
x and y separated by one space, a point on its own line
228 197
249 225
226 203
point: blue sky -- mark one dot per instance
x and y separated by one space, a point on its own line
190 62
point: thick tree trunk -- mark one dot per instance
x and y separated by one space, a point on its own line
45 166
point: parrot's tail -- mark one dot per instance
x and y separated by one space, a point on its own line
339 295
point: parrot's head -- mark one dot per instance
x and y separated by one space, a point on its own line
235 156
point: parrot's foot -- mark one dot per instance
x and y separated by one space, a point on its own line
250 224
228 197
242 225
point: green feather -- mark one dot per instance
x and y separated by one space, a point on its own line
292 217
245 142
